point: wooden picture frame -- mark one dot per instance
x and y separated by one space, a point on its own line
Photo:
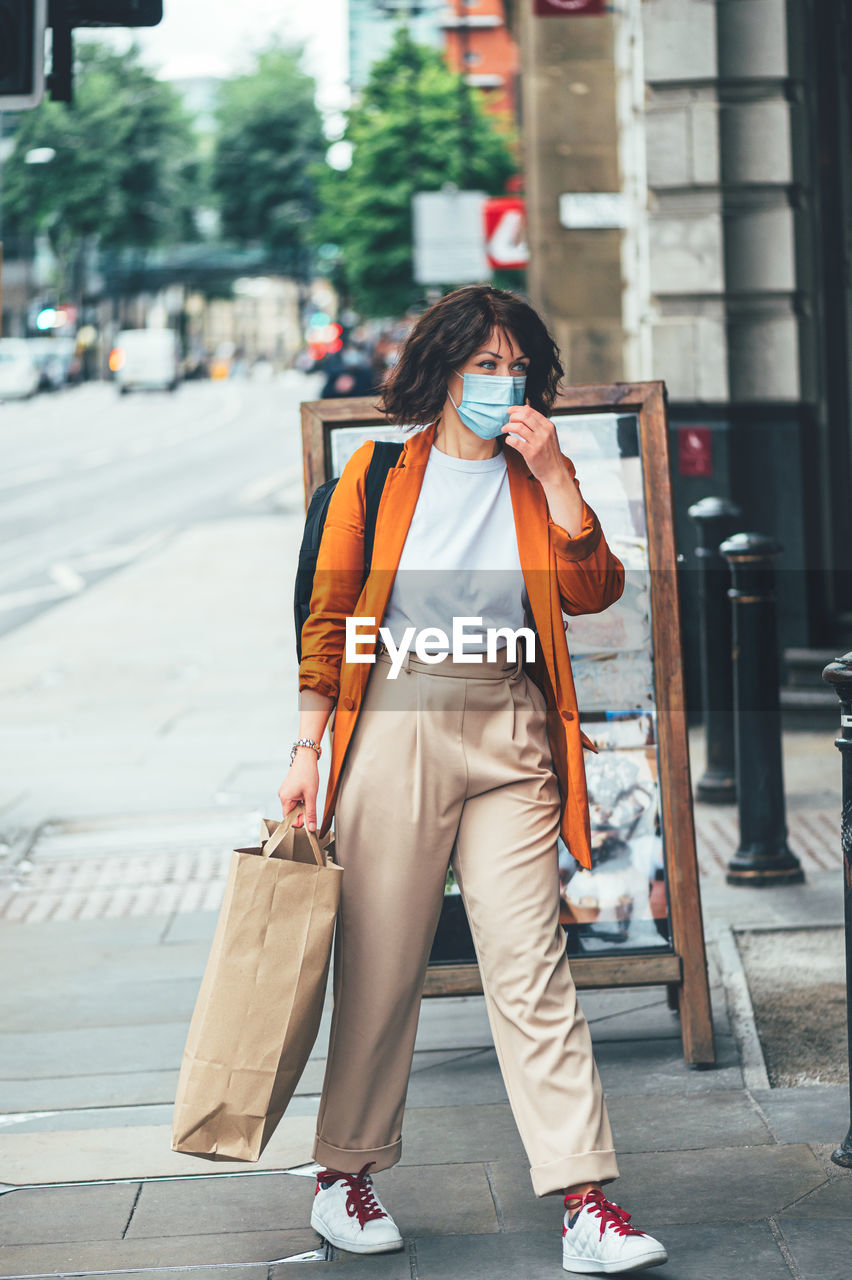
681 964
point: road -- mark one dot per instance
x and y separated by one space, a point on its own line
91 480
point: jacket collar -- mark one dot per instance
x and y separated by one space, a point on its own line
415 450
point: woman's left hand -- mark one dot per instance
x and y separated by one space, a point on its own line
539 443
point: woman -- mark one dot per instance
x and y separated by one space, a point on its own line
472 759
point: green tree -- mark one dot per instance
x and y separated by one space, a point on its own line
269 144
124 171
417 127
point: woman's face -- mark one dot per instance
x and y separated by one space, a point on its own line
500 356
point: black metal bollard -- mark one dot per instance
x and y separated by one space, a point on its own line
763 857
715 518
839 674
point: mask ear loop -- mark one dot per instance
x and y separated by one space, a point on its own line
449 392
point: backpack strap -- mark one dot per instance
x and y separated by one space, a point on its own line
385 455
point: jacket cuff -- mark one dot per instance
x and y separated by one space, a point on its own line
584 544
327 684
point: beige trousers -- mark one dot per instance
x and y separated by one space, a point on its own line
450 763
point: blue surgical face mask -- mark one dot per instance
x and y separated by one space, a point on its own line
486 401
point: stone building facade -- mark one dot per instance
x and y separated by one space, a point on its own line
726 127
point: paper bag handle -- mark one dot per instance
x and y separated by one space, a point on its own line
283 828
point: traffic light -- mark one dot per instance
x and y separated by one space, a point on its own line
22 26
113 13
65 15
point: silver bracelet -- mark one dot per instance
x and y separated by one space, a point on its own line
305 742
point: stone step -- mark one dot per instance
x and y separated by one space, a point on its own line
803 668
806 708
807 702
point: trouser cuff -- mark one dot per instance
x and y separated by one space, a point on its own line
348 1161
588 1166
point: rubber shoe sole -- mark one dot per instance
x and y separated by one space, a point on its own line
593 1267
391 1246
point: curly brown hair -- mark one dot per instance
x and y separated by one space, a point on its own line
448 334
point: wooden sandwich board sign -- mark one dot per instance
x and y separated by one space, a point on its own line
635 918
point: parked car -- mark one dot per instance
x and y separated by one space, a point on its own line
145 359
19 375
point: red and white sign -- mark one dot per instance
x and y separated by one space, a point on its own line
568 8
506 233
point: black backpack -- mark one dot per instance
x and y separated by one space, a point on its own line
385 455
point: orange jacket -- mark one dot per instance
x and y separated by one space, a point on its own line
561 574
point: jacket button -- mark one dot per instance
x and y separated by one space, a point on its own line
348 702
567 715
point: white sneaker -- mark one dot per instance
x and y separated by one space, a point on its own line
597 1239
348 1213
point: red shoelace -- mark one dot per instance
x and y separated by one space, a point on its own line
360 1201
611 1215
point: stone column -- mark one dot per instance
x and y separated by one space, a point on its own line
723 270
571 144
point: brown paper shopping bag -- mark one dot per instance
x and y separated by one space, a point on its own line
258 1010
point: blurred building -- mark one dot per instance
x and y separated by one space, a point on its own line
480 45
474 34
689 181
262 321
372 24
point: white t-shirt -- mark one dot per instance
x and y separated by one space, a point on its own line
460 556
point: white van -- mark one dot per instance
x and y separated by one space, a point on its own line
145 359
19 376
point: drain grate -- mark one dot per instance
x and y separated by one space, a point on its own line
127 866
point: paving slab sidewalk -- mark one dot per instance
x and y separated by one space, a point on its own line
737 1180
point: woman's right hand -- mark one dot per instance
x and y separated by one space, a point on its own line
301 785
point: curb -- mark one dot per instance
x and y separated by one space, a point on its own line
740 1008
